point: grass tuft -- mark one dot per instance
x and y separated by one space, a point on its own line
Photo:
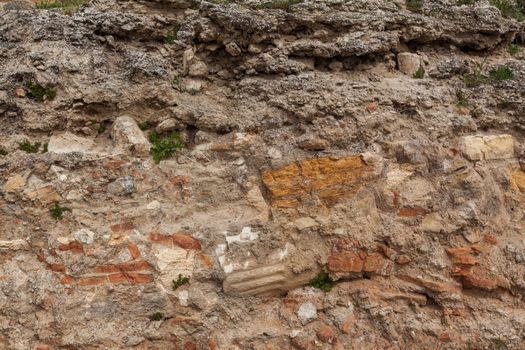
323 282
179 282
145 125
279 4
69 6
57 212
28 147
513 49
502 73
171 36
461 99
157 316
41 93
164 147
508 9
420 73
414 5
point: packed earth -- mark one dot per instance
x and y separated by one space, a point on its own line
262 174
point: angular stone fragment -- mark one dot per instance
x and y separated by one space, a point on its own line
69 143
408 62
487 147
128 137
14 183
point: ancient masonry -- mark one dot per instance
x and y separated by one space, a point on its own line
258 174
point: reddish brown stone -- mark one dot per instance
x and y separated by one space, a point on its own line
113 165
490 239
92 281
186 242
122 227
130 277
206 260
67 280
371 107
73 247
325 179
190 346
57 267
131 266
133 250
403 260
345 262
373 262
326 334
314 144
161 239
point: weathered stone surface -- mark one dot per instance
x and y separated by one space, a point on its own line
487 147
408 62
69 143
222 244
128 137
323 179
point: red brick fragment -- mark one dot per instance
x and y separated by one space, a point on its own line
133 250
186 242
326 334
57 267
73 247
190 346
92 281
161 239
345 262
403 260
67 280
122 227
130 277
140 265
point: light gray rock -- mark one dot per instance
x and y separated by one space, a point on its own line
69 143
128 137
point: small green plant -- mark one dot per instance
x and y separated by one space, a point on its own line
69 6
164 147
177 84
101 128
476 78
171 36
28 147
499 344
509 9
420 73
279 4
502 73
513 49
323 282
467 2
414 5
144 125
3 152
461 99
157 316
57 212
179 282
44 148
41 93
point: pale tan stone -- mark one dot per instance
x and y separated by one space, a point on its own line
14 183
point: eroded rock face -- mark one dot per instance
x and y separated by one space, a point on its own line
322 191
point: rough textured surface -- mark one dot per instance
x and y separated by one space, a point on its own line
309 148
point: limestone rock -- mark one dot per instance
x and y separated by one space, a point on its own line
408 62
487 147
128 137
69 143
